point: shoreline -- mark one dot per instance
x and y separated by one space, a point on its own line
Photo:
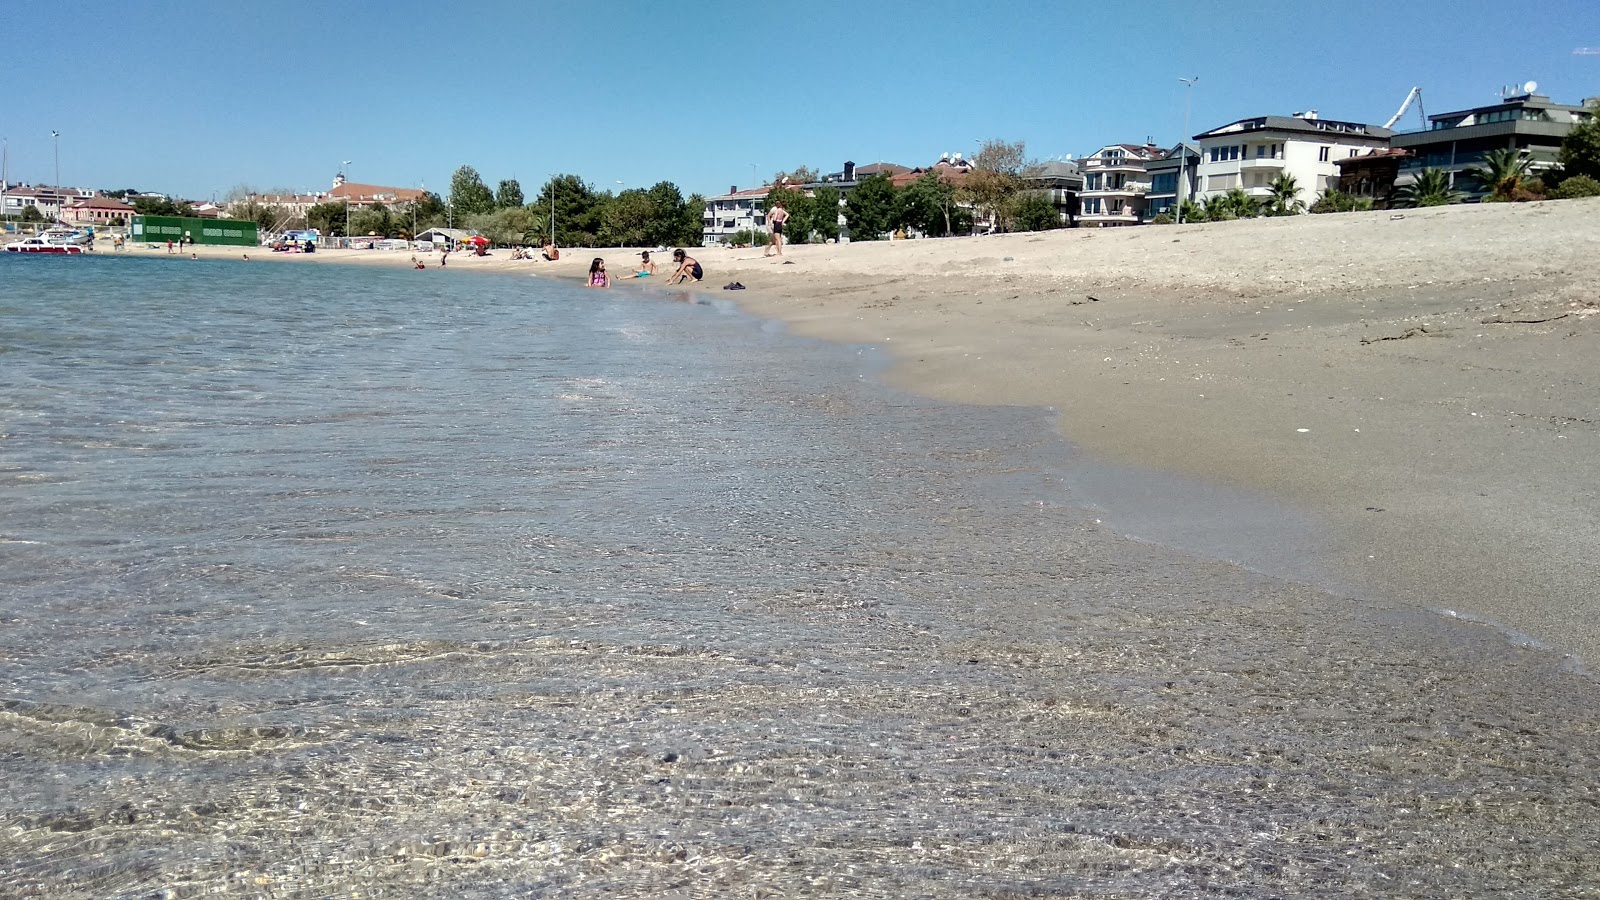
1447 417
1360 368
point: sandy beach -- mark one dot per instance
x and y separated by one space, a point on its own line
1421 384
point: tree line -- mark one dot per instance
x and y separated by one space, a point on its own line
580 215
1000 186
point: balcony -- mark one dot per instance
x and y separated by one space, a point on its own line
1112 165
1261 162
1131 189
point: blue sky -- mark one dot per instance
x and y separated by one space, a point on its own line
198 97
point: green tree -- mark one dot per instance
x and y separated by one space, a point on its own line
577 210
1577 186
1284 196
822 214
375 219
927 205
626 221
1580 149
1217 208
673 220
161 206
799 207
795 177
1502 173
996 178
469 196
1334 200
1431 188
869 208
1192 211
1243 205
328 217
31 214
426 212
509 195
1034 212
504 227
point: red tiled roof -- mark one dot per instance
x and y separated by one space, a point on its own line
947 174
353 191
101 203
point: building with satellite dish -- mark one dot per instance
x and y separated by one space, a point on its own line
1456 141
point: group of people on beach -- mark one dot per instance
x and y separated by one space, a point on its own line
688 269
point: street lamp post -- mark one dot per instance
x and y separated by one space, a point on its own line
1183 149
753 229
56 136
345 172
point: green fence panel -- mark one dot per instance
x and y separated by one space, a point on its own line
160 229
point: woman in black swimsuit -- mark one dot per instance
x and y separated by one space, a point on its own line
688 268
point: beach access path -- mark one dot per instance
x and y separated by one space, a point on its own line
1422 382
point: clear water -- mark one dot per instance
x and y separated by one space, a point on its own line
334 582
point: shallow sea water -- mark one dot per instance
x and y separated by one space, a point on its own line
326 582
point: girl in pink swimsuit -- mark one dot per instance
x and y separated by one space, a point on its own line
597 274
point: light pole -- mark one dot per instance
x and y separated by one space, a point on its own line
344 173
552 211
1183 148
56 135
753 229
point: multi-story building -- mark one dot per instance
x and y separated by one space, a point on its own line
1062 184
1172 180
360 195
1457 141
49 201
1115 182
1252 153
730 213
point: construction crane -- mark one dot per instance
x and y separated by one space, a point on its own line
1414 97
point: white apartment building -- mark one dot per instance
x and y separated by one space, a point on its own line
732 212
1115 183
1250 153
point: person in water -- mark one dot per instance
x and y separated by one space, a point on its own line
597 274
647 266
688 268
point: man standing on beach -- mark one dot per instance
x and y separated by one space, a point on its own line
776 217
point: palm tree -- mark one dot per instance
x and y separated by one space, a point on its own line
1218 208
1285 194
1502 172
1432 188
1243 205
1192 211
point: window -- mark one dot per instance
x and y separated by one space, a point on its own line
1261 151
1322 154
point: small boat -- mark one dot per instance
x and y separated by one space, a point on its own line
65 236
43 244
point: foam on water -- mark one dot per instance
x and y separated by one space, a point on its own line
318 581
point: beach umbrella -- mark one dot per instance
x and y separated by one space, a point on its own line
479 239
